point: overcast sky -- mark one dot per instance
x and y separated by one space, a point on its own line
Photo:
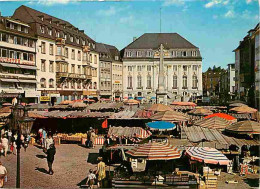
215 26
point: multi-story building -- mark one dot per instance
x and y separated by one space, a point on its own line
211 81
245 66
105 71
256 38
227 84
65 56
182 67
17 61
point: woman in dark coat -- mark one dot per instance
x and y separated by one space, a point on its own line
50 157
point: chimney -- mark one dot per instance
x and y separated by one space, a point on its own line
134 38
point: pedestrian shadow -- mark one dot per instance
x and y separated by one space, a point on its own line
41 156
39 147
41 170
82 183
92 158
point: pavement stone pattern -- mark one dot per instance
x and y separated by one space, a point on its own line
70 167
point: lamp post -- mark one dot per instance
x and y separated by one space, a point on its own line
22 124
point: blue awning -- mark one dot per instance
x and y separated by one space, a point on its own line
130 97
153 97
139 98
161 125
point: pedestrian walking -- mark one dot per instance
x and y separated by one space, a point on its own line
4 142
92 138
3 175
49 141
91 179
50 157
101 171
44 136
9 135
13 144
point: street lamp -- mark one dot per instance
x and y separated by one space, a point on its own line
22 124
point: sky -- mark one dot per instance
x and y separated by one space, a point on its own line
215 26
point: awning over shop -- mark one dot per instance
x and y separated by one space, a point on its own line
27 81
129 132
9 65
28 67
9 80
139 98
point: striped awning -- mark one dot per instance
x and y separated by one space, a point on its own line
207 155
155 151
129 132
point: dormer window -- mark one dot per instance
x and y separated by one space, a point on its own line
71 39
57 34
42 18
194 53
128 54
42 29
184 53
64 26
77 40
138 53
65 36
149 54
50 32
83 42
116 57
94 46
50 21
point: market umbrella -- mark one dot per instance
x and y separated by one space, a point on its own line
184 103
213 123
78 105
160 108
238 104
155 151
39 106
170 116
132 102
200 111
207 155
65 102
244 127
161 125
6 104
224 116
244 110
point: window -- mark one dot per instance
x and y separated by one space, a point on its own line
59 50
57 34
139 81
129 68
31 57
148 53
51 67
25 56
51 49
185 84
79 70
194 67
77 41
128 53
43 48
174 82
185 68
4 37
184 53
174 68
194 82
138 53
95 59
42 29
73 68
79 85
130 81
66 52
51 83
149 68
43 68
116 58
43 83
194 53
4 53
72 54
50 32
174 53
84 56
71 39
149 82
139 68
79 56
90 58
72 84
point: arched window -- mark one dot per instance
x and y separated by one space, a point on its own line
174 82
130 81
51 83
95 85
149 82
72 84
194 82
139 81
43 82
184 82
79 85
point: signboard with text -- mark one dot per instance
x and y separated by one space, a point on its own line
15 61
45 98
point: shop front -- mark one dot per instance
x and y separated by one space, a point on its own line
32 96
91 95
70 95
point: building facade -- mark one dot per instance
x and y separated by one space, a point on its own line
182 67
17 61
256 38
245 67
65 56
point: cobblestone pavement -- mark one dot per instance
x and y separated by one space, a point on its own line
70 167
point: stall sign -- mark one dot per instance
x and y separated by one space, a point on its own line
45 98
32 94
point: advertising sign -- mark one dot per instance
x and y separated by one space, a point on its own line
45 98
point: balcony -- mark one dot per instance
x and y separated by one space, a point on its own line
59 57
86 63
73 75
